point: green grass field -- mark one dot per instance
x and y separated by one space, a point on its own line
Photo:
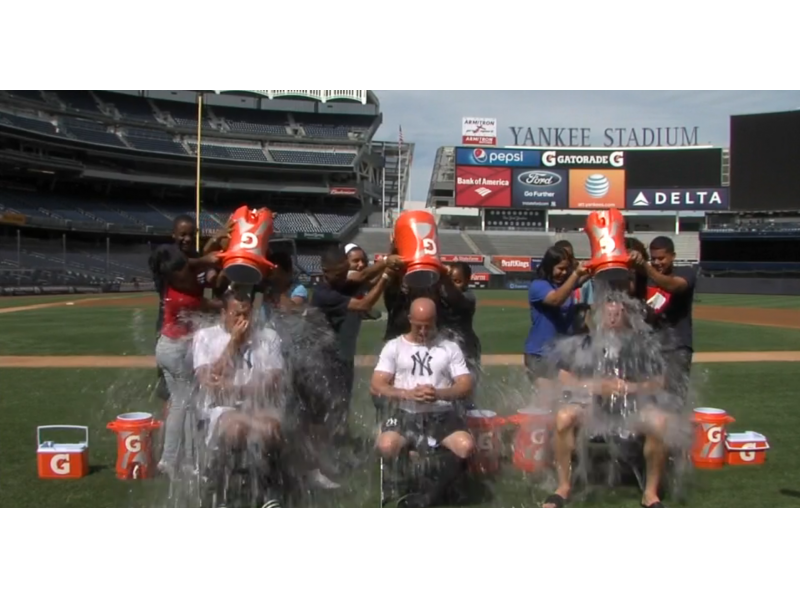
760 395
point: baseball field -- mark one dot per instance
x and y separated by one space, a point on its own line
82 360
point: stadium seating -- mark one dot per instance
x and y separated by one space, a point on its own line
90 131
498 243
129 107
153 140
308 157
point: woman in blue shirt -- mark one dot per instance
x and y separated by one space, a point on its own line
551 302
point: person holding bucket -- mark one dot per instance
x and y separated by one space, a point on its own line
183 303
551 304
620 384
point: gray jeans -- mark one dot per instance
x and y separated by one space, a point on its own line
174 359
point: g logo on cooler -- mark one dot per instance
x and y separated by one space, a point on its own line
133 443
538 437
59 464
748 456
714 435
485 442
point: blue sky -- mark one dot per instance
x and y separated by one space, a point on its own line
433 119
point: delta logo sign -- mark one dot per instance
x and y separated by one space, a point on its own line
498 157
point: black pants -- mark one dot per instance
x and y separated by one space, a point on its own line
678 370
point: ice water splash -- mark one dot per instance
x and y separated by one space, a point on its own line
618 372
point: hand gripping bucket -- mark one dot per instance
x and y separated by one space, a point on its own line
134 449
485 428
245 260
531 442
62 461
417 243
606 232
708 449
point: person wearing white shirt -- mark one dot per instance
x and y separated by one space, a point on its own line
422 376
239 368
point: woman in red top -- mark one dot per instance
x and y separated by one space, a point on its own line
183 301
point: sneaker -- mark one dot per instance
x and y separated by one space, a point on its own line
272 504
318 480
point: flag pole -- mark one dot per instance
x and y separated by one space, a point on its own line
399 168
197 174
383 191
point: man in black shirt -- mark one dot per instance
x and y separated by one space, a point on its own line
335 297
676 318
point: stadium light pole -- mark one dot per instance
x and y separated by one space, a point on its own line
197 175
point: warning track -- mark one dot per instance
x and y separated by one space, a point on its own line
491 360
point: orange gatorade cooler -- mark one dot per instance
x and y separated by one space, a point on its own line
606 232
245 259
417 242
748 448
708 449
134 451
531 442
62 461
484 426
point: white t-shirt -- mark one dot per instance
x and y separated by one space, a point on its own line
436 364
261 353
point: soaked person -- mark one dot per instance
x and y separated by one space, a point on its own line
619 382
239 368
423 376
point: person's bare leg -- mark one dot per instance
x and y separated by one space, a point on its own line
390 444
655 454
460 443
567 420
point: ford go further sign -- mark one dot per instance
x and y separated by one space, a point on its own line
678 199
497 157
539 188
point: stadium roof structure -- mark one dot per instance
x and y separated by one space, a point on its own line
362 96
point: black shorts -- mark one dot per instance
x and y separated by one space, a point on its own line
424 430
678 370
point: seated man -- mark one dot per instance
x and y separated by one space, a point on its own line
619 370
239 370
422 376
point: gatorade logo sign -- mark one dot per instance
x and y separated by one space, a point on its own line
748 456
133 443
714 434
59 464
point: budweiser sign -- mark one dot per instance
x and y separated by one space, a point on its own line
343 191
513 263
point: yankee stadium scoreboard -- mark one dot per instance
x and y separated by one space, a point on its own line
688 179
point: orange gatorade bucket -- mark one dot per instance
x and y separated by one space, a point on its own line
708 450
531 442
417 242
748 448
62 461
484 426
134 451
245 260
606 232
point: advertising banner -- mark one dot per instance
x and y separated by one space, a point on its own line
592 189
540 188
343 191
515 218
483 186
679 199
472 259
477 131
479 277
513 263
583 159
497 157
